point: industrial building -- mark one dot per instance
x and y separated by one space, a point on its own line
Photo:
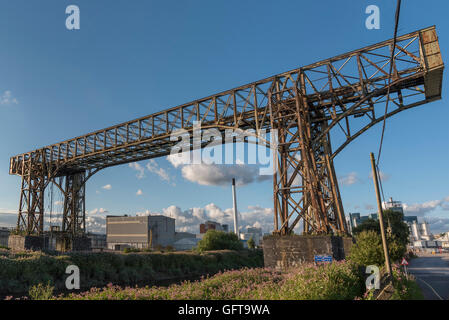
212 225
420 236
356 219
98 241
4 235
145 232
251 232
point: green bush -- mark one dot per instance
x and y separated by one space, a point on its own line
393 223
336 281
219 240
405 286
368 249
251 243
20 272
41 292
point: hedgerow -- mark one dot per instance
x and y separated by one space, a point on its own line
21 271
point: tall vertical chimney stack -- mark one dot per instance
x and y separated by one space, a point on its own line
234 199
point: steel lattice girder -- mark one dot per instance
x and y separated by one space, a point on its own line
344 95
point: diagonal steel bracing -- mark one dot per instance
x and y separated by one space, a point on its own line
340 97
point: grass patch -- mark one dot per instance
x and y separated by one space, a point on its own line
338 281
23 270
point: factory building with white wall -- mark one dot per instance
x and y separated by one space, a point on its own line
420 235
251 232
142 232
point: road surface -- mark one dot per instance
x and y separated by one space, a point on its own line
432 273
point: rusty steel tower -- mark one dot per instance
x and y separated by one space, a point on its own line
338 98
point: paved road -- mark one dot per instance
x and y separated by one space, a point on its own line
432 273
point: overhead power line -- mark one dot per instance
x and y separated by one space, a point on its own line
396 24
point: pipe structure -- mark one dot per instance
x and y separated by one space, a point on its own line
234 199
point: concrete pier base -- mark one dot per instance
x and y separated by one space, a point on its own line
66 243
35 243
281 252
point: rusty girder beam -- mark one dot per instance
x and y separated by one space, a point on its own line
340 97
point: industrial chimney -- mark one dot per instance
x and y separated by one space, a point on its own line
234 199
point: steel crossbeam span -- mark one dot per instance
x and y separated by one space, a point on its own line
340 97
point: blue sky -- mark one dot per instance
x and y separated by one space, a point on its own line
133 58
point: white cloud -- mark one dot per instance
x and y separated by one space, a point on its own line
7 99
153 167
421 209
140 170
189 220
107 187
96 224
216 174
179 159
98 210
139 192
438 224
8 218
221 175
349 179
383 176
8 211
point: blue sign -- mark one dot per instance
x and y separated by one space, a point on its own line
323 258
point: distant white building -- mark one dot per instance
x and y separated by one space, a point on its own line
251 232
420 231
142 232
186 244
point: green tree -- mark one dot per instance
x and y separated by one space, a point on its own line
251 243
219 240
368 249
393 222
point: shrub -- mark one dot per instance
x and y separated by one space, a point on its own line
251 243
368 249
340 280
405 288
393 219
335 281
41 292
219 240
20 272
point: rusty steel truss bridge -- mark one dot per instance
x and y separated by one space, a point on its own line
340 97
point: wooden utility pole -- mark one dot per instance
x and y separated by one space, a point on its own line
381 219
